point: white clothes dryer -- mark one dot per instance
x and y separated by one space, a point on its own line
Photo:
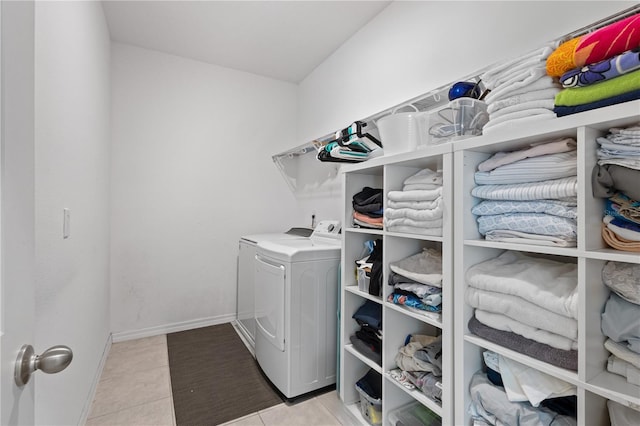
296 292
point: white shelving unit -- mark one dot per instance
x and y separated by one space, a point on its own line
388 173
595 385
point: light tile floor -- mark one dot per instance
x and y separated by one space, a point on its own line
135 389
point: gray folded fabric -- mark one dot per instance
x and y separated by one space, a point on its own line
365 350
432 353
491 403
624 279
545 353
611 178
621 322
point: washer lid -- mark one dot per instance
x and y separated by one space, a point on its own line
303 250
274 236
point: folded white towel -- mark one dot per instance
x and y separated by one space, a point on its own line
493 121
544 94
420 186
510 125
523 311
537 55
546 283
504 323
425 176
623 368
416 205
421 195
516 88
531 73
621 351
540 103
435 213
432 232
403 221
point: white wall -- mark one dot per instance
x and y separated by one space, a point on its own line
191 172
413 47
72 171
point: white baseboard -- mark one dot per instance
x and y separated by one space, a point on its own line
172 328
96 379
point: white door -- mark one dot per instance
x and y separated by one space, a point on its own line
269 291
16 205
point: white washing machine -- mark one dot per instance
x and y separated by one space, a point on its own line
296 292
245 281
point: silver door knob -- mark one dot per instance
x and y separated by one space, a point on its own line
53 360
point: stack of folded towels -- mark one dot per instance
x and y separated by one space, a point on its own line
620 319
417 282
598 69
616 177
510 391
520 91
527 304
417 209
419 364
367 208
529 195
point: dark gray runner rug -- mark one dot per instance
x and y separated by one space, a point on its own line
214 378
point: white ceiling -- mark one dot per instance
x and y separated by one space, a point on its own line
285 40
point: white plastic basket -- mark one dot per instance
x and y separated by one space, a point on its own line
399 131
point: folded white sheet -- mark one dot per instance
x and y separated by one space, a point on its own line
523 311
623 368
425 176
545 190
530 84
536 95
432 214
546 283
495 72
510 125
403 221
524 106
535 150
516 237
533 169
424 267
623 352
505 323
494 121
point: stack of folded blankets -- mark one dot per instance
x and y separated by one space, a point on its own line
529 196
598 69
621 319
621 415
520 91
417 282
367 208
368 339
509 392
417 209
527 304
616 177
419 364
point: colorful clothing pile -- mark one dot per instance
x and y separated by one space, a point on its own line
419 364
521 92
529 195
367 208
417 209
534 298
620 319
598 69
417 282
616 177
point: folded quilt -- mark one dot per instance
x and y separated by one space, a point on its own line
516 237
623 368
524 106
416 205
607 69
545 190
621 322
504 323
536 350
551 207
424 267
621 351
403 221
548 94
609 179
425 176
533 223
561 111
617 242
414 214
523 311
547 283
422 195
603 43
533 169
583 95
624 279
494 121
402 229
503 158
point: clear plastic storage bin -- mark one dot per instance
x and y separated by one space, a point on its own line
363 281
370 408
413 414
461 118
